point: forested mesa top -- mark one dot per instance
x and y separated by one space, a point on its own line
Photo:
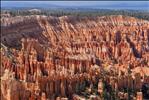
80 12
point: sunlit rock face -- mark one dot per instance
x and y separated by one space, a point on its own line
59 58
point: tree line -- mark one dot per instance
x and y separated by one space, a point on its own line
80 12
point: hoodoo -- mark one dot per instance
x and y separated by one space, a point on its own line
72 58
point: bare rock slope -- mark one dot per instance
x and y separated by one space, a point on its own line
59 57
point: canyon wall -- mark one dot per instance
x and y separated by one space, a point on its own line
58 57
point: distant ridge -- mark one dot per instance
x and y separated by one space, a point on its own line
109 5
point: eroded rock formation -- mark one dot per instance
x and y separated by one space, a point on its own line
56 58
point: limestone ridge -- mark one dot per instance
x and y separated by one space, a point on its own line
55 29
